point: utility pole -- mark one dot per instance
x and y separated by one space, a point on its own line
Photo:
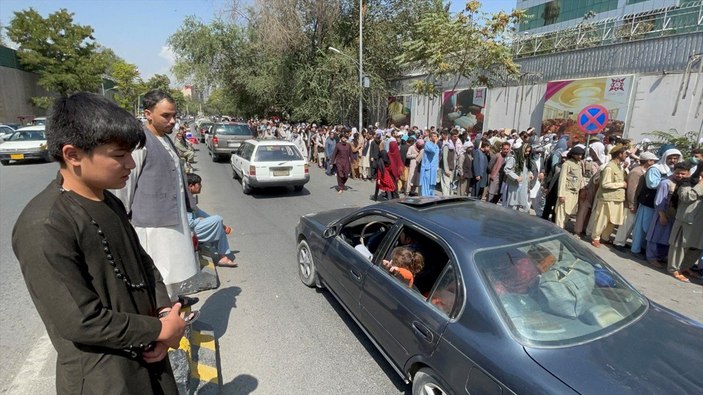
361 65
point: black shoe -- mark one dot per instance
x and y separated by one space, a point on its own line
619 248
187 301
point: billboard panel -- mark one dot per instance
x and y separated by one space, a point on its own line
464 108
399 110
564 100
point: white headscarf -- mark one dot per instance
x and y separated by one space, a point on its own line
663 168
599 149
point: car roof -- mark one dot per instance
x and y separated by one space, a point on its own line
259 142
231 123
33 128
476 224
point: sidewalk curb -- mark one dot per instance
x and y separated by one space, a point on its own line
194 362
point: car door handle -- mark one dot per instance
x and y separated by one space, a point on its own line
423 331
356 274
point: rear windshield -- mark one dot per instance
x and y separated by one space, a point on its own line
234 130
28 136
274 153
555 292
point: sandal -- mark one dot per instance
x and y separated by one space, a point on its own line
227 263
680 277
187 301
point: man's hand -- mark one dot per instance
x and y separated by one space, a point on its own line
447 174
172 327
663 220
156 354
562 199
478 178
519 178
540 177
625 182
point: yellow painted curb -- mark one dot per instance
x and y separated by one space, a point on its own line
204 373
203 340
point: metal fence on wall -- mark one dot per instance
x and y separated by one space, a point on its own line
665 22
660 55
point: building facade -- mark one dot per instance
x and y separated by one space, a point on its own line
640 60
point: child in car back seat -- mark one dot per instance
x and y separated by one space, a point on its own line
405 264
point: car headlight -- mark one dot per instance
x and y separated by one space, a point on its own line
42 146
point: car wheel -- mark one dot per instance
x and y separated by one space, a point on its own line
5 162
246 188
234 174
215 157
306 265
425 382
298 188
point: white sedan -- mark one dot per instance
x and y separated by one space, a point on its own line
25 143
269 163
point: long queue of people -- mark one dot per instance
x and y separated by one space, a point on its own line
606 190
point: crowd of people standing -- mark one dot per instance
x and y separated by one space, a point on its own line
604 189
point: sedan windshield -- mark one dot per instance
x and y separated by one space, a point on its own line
28 136
234 130
277 153
555 292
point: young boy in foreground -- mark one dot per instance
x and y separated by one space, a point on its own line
97 292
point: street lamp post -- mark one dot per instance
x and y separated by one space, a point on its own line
361 83
359 64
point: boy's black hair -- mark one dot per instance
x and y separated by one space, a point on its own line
192 179
685 165
154 96
86 121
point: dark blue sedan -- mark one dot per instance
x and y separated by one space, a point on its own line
501 302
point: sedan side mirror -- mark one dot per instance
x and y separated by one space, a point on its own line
329 232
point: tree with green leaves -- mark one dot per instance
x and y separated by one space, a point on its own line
64 54
128 84
158 81
469 44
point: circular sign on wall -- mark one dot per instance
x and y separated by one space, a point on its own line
593 119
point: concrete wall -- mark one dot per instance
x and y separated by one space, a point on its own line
655 100
426 111
17 87
651 108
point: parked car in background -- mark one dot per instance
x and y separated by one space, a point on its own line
39 121
225 137
269 163
505 303
6 131
25 143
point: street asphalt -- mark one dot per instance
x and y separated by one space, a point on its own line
275 335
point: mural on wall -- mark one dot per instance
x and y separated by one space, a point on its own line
565 99
464 108
399 110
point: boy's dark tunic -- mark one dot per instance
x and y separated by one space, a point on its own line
97 321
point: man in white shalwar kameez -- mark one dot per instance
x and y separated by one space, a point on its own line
155 196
